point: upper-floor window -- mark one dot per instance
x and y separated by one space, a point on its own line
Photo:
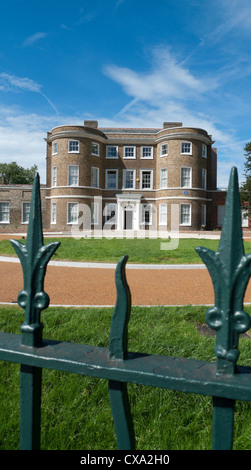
146 179
94 177
147 152
204 151
95 149
164 150
186 177
129 152
111 151
54 176
111 179
73 146
186 148
4 212
25 212
129 179
163 178
54 148
73 171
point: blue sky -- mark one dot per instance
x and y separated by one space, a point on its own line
132 63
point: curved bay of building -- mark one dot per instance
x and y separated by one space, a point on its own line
134 179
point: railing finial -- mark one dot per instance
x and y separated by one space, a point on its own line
230 270
34 257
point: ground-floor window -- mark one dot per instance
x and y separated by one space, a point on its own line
94 213
203 214
25 212
162 214
72 213
185 214
53 213
4 212
110 213
220 215
146 214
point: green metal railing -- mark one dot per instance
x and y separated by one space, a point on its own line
223 380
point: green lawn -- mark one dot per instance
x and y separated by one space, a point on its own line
76 412
139 251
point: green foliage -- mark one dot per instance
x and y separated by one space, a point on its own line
16 174
245 189
76 412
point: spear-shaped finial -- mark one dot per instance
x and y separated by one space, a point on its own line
34 257
230 270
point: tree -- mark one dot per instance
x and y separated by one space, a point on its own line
16 174
245 189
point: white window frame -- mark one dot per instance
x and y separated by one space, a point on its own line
94 177
71 176
203 214
73 221
143 209
108 209
148 147
163 181
132 152
53 213
220 214
106 178
182 185
54 148
163 153
5 211
244 218
97 152
133 170
184 151
76 143
204 151
186 223
95 213
108 147
204 178
163 214
54 176
143 170
25 213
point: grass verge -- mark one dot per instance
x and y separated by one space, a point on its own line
110 250
76 411
145 251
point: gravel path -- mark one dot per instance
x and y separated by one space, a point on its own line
95 286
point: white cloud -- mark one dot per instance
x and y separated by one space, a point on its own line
171 92
168 79
25 84
22 136
10 82
34 38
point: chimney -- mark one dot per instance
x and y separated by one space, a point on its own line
167 125
93 124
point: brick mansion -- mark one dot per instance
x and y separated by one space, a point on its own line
124 179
